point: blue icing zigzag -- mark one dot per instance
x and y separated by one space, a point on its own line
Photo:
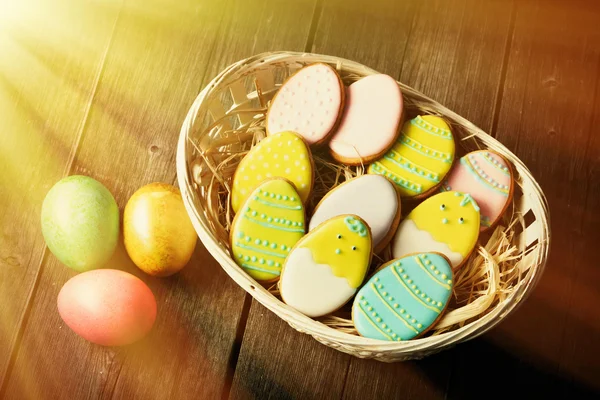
404 299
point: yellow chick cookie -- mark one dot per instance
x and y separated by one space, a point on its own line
447 223
327 266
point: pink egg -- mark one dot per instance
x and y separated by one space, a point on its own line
107 307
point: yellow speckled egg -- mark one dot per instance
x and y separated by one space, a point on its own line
159 236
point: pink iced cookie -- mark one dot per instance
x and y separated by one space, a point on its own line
487 177
309 103
371 120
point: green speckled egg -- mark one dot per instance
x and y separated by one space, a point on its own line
80 222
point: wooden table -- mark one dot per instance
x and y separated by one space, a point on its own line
101 88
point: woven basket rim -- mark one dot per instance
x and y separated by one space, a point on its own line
307 324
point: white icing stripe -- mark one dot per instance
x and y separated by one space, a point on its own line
410 239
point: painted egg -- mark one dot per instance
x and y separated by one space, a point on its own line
404 299
373 113
487 177
159 236
420 159
283 155
371 197
268 225
309 103
80 222
327 266
107 307
447 223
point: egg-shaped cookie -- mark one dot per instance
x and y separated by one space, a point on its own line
371 120
268 225
325 269
447 223
283 155
420 159
486 176
404 299
371 197
309 103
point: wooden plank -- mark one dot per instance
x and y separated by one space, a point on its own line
49 70
191 340
373 33
356 31
454 54
255 26
154 68
548 113
578 356
276 361
423 379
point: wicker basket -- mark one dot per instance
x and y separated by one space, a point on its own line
225 116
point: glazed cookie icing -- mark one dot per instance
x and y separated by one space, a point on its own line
447 223
308 103
370 122
284 155
404 299
371 197
421 158
268 225
327 266
487 177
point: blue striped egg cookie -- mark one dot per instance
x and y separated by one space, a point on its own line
266 228
405 298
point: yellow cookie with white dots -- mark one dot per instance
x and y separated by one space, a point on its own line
283 155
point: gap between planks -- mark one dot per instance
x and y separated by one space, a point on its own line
503 70
67 170
248 299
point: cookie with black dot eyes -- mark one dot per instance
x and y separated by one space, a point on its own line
327 266
447 223
488 177
309 103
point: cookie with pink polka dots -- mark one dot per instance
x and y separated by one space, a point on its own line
282 155
309 103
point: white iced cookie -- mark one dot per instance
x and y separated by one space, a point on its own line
371 197
372 116
327 266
